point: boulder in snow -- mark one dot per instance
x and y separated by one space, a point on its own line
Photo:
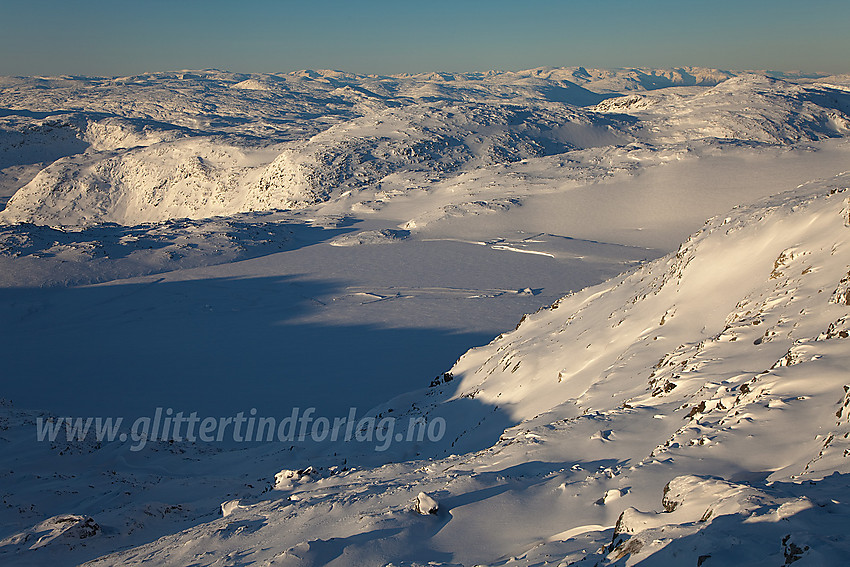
425 505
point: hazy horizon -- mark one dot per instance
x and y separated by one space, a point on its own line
792 73
100 38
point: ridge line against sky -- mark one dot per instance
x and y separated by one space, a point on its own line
117 37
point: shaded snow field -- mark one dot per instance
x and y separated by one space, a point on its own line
220 243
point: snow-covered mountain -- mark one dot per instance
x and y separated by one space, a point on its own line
158 172
136 167
337 241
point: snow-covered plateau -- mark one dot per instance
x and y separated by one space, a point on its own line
328 270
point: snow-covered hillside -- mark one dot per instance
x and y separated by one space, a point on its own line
199 176
251 245
746 292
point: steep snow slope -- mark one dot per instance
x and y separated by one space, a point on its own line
742 293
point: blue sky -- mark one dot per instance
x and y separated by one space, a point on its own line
117 37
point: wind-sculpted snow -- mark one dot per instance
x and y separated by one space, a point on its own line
320 240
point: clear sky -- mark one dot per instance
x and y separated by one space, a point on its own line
120 37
